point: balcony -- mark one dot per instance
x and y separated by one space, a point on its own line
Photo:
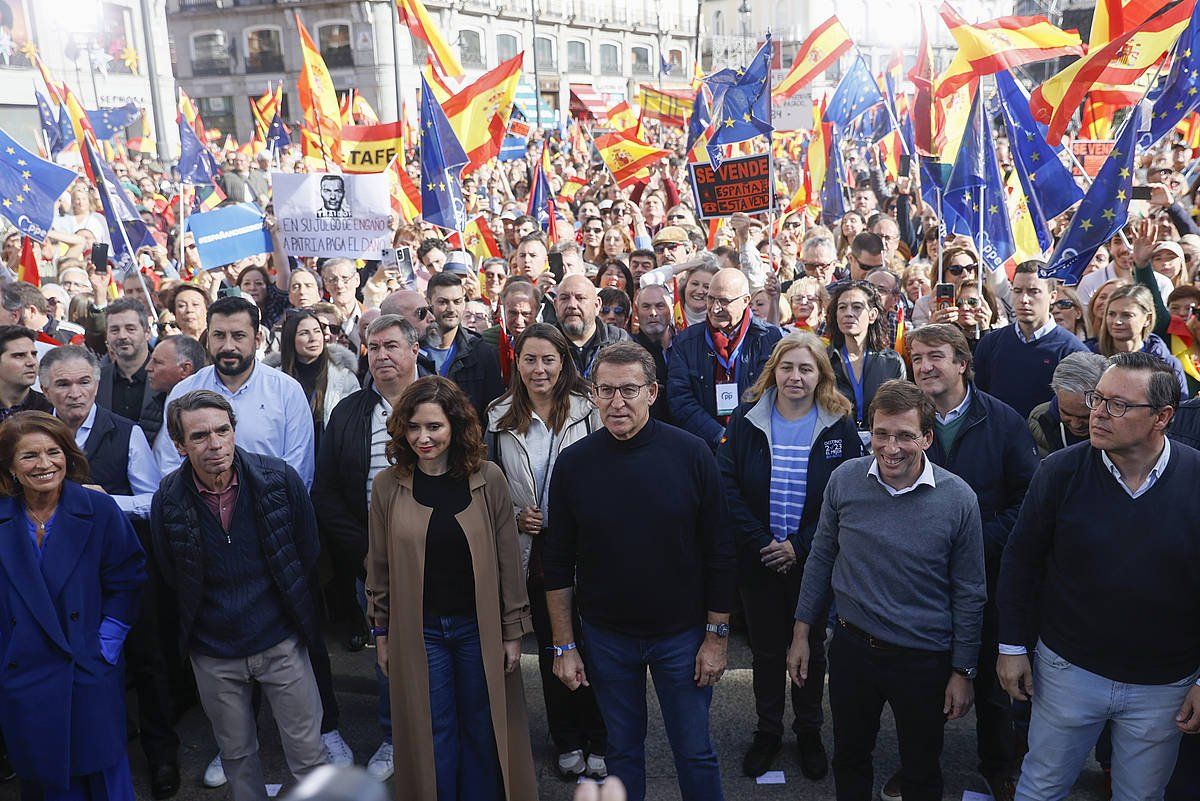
264 62
577 65
211 66
609 68
641 68
197 5
254 2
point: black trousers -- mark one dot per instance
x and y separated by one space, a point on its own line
861 680
995 730
146 667
769 602
574 717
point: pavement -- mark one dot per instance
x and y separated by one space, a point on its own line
731 724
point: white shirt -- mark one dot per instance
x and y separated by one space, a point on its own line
1038 334
957 412
1093 281
377 461
142 470
925 478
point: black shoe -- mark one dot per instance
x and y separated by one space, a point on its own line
7 774
814 763
357 642
1002 786
761 754
891 789
164 781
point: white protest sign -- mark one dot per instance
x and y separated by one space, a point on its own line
796 112
329 214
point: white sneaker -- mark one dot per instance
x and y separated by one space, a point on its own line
596 768
380 765
336 750
214 774
571 764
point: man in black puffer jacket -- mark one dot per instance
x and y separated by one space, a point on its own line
235 536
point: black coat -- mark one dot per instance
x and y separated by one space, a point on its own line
878 366
476 369
339 490
151 417
1185 426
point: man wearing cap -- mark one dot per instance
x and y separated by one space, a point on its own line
457 353
672 245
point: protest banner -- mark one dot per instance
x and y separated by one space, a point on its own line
1091 154
326 214
229 233
741 184
369 148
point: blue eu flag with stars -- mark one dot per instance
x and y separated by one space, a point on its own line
29 187
107 122
49 123
855 93
1181 93
974 204
442 160
741 107
196 164
277 135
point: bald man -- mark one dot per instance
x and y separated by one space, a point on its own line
412 306
714 362
577 308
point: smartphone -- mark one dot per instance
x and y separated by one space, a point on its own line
556 266
943 296
387 259
405 266
100 257
146 261
906 165
1140 193
229 292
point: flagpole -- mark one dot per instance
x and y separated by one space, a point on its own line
770 158
124 235
396 63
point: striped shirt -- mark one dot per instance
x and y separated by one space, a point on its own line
379 441
791 441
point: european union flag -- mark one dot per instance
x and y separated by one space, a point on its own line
66 132
107 122
665 67
701 118
855 93
833 197
541 198
196 164
1049 187
1181 93
1104 209
29 187
975 200
442 160
49 123
125 225
741 103
277 135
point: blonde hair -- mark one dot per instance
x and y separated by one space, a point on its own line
1141 297
1097 325
826 395
1085 321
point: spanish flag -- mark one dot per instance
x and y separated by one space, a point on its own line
621 118
322 113
1181 348
439 84
406 198
828 42
421 25
263 109
479 240
29 264
1111 18
669 108
146 143
1097 118
479 113
628 159
362 112
187 107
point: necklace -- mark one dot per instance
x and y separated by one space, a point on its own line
40 532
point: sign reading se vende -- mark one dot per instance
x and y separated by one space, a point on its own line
1091 154
740 185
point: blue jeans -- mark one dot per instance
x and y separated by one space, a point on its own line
464 745
616 668
1071 706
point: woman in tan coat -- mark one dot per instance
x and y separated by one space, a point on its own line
448 604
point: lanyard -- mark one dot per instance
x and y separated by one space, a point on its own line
856 383
449 360
730 365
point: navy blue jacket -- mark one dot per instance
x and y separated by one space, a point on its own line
995 454
62 705
691 390
744 457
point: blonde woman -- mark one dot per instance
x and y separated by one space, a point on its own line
808 298
1070 313
1095 308
1129 326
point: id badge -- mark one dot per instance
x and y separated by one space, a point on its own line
727 395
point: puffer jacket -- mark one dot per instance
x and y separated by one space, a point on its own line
342 379
507 448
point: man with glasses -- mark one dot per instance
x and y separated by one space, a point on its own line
866 255
341 280
413 307
958 264
713 364
672 245
899 547
1099 581
819 257
680 215
666 608
888 232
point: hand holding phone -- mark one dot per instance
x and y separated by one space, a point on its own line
99 257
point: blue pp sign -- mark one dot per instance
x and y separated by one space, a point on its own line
229 233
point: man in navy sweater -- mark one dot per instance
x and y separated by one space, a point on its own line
1016 363
654 587
1099 578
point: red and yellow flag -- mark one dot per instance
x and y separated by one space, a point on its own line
406 198
666 106
828 42
621 118
441 86
370 148
479 113
362 112
414 15
1111 18
479 241
187 107
1097 118
28 270
322 113
629 160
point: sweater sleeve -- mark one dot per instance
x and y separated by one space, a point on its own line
1024 561
1181 220
561 536
748 530
1144 275
815 586
968 588
720 557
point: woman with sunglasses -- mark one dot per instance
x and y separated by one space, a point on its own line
325 371
976 311
547 409
1129 327
958 264
1068 312
776 457
614 307
858 345
591 239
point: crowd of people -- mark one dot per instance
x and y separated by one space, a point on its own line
909 479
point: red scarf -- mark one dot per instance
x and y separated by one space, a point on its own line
725 345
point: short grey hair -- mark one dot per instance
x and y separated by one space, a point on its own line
66 353
666 290
187 350
386 321
1078 373
1162 387
194 401
811 245
338 262
622 353
566 246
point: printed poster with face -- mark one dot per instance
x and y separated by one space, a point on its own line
329 214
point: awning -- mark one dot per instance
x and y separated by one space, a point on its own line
531 108
586 101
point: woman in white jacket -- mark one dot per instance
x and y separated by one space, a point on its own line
546 410
324 370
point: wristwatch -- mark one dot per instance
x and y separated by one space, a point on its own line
967 673
719 629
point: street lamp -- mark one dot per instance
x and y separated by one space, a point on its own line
744 22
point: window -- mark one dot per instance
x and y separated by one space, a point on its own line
507 46
210 53
610 60
263 52
470 48
333 39
420 51
641 61
718 24
676 59
543 53
217 113
115 40
577 57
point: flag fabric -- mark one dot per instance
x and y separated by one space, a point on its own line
1180 341
1181 94
344 106
442 160
27 269
322 114
817 157
833 195
1121 61
621 118
29 187
405 197
50 129
950 115
1111 18
108 122
361 112
1029 240
827 43
571 187
126 230
855 93
480 112
277 134
976 204
443 88
541 198
146 142
1001 44
664 67
191 113
922 78
698 125
196 163
370 148
421 25
1097 118
479 241
66 131
741 107
628 159
53 88
1103 211
669 107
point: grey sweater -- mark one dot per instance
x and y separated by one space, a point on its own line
906 569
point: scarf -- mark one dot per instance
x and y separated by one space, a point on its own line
725 345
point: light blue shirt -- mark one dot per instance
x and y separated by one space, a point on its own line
1151 478
1038 334
791 443
273 418
142 470
957 411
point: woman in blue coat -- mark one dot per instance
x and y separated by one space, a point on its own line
71 569
775 458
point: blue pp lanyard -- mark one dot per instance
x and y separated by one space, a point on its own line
856 383
730 365
449 360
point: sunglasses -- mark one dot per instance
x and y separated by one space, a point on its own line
618 310
424 312
957 269
676 216
661 246
1063 304
968 303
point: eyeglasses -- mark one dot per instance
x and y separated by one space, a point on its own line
613 310
957 269
1113 406
903 438
1065 303
661 246
628 391
967 303
817 265
677 217
714 301
423 312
